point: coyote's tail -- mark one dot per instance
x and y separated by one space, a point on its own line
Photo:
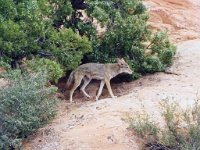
70 80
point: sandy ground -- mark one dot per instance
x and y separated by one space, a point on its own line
90 125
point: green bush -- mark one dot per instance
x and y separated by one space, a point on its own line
67 47
180 130
26 103
58 28
33 27
49 67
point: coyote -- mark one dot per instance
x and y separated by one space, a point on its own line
103 72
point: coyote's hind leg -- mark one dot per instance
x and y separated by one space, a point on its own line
77 80
86 82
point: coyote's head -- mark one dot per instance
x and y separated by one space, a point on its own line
124 67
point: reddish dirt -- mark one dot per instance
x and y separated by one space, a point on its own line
90 125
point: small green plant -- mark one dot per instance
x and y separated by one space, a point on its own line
143 126
26 103
180 130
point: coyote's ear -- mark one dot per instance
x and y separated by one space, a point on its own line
120 61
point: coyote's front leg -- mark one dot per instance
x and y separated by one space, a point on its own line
100 89
109 89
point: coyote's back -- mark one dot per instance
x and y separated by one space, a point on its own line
103 72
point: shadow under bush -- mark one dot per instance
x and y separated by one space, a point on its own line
26 103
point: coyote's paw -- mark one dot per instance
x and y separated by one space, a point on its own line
88 96
71 101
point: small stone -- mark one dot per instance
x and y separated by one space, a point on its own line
71 127
98 108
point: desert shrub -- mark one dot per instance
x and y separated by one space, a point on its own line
51 68
143 126
26 103
67 47
180 130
